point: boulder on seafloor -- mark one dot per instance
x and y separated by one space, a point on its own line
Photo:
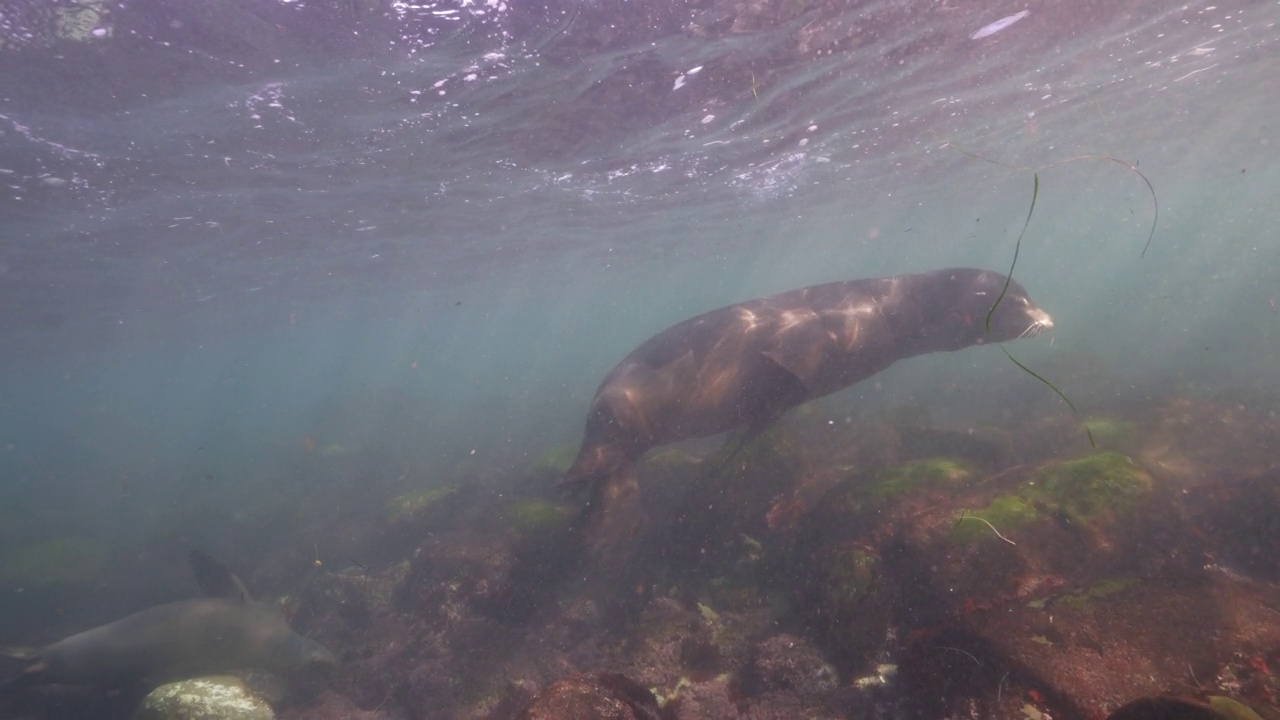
602 696
1241 517
1193 442
1004 511
1095 484
842 593
790 662
697 511
412 505
1105 596
1124 582
908 476
220 697
330 705
533 516
862 496
415 513
1172 707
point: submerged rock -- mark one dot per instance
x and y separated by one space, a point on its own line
791 663
408 506
956 585
535 516
1164 708
1192 442
603 696
1099 483
903 478
1111 433
1005 512
1169 707
220 697
714 698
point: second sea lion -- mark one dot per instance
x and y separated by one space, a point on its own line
177 640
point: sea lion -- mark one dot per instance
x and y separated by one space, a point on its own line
744 365
183 639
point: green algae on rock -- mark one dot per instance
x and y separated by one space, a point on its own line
1100 589
410 504
852 576
670 459
899 479
555 462
1005 513
1098 483
209 698
1231 709
536 515
1109 432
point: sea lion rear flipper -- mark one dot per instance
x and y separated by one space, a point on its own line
215 579
34 672
614 516
27 655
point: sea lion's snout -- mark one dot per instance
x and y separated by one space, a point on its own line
1040 317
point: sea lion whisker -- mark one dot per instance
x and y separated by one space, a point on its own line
1035 193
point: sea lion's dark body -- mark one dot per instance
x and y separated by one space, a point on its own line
188 638
744 365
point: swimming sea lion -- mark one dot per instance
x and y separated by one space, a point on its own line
744 365
183 639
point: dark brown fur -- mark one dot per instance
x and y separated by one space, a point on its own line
744 365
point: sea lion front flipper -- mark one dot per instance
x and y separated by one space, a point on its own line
776 387
32 674
801 345
614 516
21 654
216 579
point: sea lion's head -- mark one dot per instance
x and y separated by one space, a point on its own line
956 303
619 429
